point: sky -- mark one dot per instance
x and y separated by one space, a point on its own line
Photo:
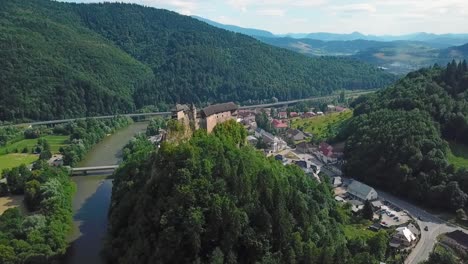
377 17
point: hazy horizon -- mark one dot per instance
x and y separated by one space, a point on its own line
369 17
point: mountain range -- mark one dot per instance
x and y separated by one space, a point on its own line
64 60
397 54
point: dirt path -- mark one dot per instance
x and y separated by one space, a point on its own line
11 202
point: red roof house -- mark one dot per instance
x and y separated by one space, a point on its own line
277 124
282 115
326 149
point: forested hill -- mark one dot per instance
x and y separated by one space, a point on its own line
398 137
214 199
63 60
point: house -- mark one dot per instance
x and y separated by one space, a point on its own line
457 240
356 205
305 147
340 109
295 134
282 115
375 227
279 125
57 162
308 115
326 149
362 191
252 140
340 199
403 237
301 163
331 108
207 118
276 144
279 157
336 181
376 204
293 114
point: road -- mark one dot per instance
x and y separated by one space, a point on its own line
436 227
50 122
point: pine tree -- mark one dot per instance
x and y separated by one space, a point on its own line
367 212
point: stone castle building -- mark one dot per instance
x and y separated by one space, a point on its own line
207 118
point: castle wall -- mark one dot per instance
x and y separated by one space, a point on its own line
213 120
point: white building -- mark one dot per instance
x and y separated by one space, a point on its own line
362 191
276 143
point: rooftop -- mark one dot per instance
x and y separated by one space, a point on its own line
460 237
359 189
219 108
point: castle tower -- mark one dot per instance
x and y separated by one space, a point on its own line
193 116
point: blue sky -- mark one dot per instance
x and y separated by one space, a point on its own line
339 16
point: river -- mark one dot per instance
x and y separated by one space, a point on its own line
92 198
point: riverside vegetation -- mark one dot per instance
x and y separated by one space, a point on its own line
40 236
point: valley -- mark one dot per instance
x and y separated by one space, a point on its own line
143 132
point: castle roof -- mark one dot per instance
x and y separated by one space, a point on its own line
180 107
219 108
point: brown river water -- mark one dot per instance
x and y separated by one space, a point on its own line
92 198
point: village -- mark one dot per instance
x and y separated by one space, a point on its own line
288 136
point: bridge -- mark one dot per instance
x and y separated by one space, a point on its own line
95 169
283 103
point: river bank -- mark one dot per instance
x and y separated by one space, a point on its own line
92 199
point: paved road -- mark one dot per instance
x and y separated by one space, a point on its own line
351 94
436 227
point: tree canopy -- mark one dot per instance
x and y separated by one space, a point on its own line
397 139
64 60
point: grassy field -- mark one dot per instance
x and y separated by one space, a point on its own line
322 127
55 143
355 231
12 160
458 155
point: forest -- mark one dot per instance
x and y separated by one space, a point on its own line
398 137
63 60
214 199
40 235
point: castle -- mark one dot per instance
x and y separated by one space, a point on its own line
207 118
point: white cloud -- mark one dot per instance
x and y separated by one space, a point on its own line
355 8
271 12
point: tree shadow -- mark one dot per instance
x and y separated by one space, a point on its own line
91 219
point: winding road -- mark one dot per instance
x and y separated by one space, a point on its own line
436 227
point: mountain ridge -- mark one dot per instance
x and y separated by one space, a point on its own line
79 65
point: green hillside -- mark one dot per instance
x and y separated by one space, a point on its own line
398 137
63 60
55 68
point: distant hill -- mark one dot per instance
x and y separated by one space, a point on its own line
65 60
396 54
399 57
246 31
456 53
